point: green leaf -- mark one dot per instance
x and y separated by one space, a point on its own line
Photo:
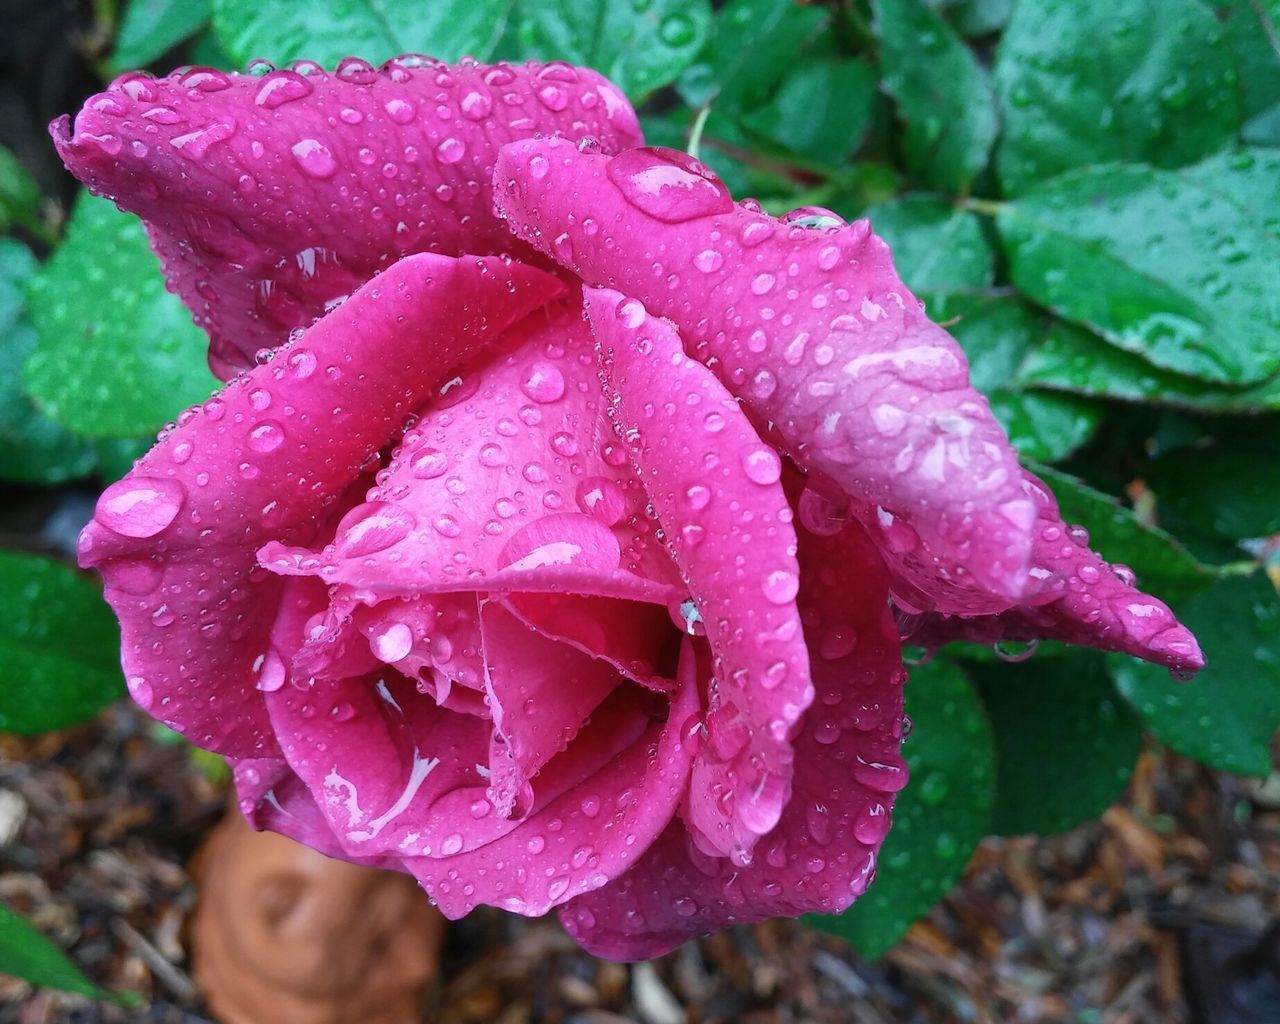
996 333
118 355
59 644
1156 262
936 246
1065 742
639 46
822 109
1253 33
1128 80
1227 715
1163 566
19 193
33 449
26 953
939 818
151 28
1076 361
1230 492
978 17
328 30
944 99
753 44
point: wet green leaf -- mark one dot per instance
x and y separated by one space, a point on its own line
1065 742
151 28
117 356
26 953
1148 81
19 194
945 102
936 245
1229 490
752 45
33 449
821 110
1158 263
640 47
1252 29
1227 715
1163 566
939 818
1073 360
59 644
328 30
977 17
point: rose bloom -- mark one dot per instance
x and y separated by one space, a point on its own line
557 530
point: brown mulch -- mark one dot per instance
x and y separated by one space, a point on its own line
1102 924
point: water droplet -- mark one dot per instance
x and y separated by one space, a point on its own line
140 506
429 464
267 436
280 87
780 586
708 261
391 643
544 382
451 150
314 158
1014 651
603 499
668 185
372 527
762 466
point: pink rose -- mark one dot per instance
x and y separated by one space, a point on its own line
546 552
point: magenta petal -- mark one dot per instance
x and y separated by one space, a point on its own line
269 198
600 806
848 768
813 329
1085 601
511 479
273 798
716 489
267 458
540 694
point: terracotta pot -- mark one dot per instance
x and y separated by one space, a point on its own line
285 935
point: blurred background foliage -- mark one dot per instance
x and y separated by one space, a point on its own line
1086 192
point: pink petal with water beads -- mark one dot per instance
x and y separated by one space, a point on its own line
807 322
848 769
269 199
1084 601
716 490
510 480
270 457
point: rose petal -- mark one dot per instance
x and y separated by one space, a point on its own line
848 769
716 489
512 479
540 693
637 639
273 798
269 457
615 791
1085 602
812 328
270 198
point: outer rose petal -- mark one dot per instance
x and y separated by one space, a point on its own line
1089 603
273 798
812 328
512 480
848 768
268 198
716 488
175 540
